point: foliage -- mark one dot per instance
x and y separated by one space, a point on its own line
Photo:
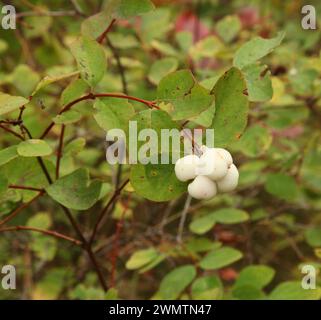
77 227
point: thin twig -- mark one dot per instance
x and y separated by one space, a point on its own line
87 247
105 210
16 211
183 218
47 232
13 186
72 220
114 255
92 96
59 152
119 65
101 38
46 14
12 132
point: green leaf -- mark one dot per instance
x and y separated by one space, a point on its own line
38 25
155 24
257 276
52 79
44 247
311 167
230 216
203 224
248 292
220 258
24 79
162 68
8 154
205 118
157 120
226 216
313 236
68 117
231 106
75 191
187 98
140 258
3 183
10 103
258 82
207 288
282 186
82 292
256 49
202 244
75 146
95 25
156 182
292 290
91 59
52 283
74 90
130 8
34 148
41 220
25 171
303 82
152 264
255 141
113 113
175 282
208 47
228 28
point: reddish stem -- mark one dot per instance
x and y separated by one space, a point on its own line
13 186
101 38
114 255
92 96
47 232
23 206
105 210
59 152
12 132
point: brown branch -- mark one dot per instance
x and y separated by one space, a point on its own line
92 96
72 220
46 14
87 247
85 243
39 159
11 131
59 152
101 38
47 232
106 208
119 65
115 250
13 186
23 206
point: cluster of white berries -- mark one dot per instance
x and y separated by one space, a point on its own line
212 172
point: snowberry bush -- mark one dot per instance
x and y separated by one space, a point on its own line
237 221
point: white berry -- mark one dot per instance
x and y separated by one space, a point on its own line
230 181
212 165
185 168
202 188
226 155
